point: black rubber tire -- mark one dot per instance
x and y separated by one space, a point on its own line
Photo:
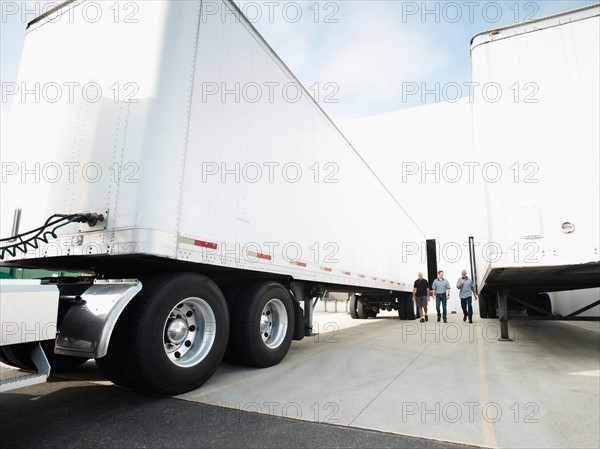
110 364
541 300
232 293
402 308
19 356
361 309
491 306
545 302
483 306
246 341
353 303
410 309
3 358
142 356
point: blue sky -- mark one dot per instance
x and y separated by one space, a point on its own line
360 53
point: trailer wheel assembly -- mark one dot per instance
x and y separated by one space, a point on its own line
542 301
353 307
363 313
492 311
172 335
402 309
262 324
483 305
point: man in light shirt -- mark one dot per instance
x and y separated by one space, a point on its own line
441 287
465 285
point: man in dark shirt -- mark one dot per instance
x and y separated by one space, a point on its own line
421 294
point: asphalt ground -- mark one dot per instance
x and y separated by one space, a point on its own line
73 414
359 383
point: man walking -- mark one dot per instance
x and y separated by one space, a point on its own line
465 285
421 293
441 287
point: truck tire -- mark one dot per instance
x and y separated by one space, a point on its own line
231 293
362 309
3 358
262 324
173 334
483 305
491 306
353 307
541 300
402 308
410 310
19 356
110 365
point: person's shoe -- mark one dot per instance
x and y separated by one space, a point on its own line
426 318
439 319
470 321
465 318
445 321
422 320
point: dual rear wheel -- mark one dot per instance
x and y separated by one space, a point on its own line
173 335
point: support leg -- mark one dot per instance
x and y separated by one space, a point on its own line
308 317
503 312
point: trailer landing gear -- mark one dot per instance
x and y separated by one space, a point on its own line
503 311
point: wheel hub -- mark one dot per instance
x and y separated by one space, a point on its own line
189 332
273 323
177 330
265 324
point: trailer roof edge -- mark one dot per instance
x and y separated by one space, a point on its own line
530 26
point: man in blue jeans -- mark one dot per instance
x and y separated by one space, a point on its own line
465 285
441 287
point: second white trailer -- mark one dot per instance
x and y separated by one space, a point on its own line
537 120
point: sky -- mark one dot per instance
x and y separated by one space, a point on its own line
358 57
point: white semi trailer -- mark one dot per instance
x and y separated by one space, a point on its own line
538 122
198 185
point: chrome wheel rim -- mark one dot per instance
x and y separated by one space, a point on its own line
189 332
273 323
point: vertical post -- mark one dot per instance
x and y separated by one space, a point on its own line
473 262
308 317
15 230
503 312
431 260
303 297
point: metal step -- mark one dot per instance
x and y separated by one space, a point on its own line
11 379
22 380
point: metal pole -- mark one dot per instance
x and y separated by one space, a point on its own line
16 222
503 312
